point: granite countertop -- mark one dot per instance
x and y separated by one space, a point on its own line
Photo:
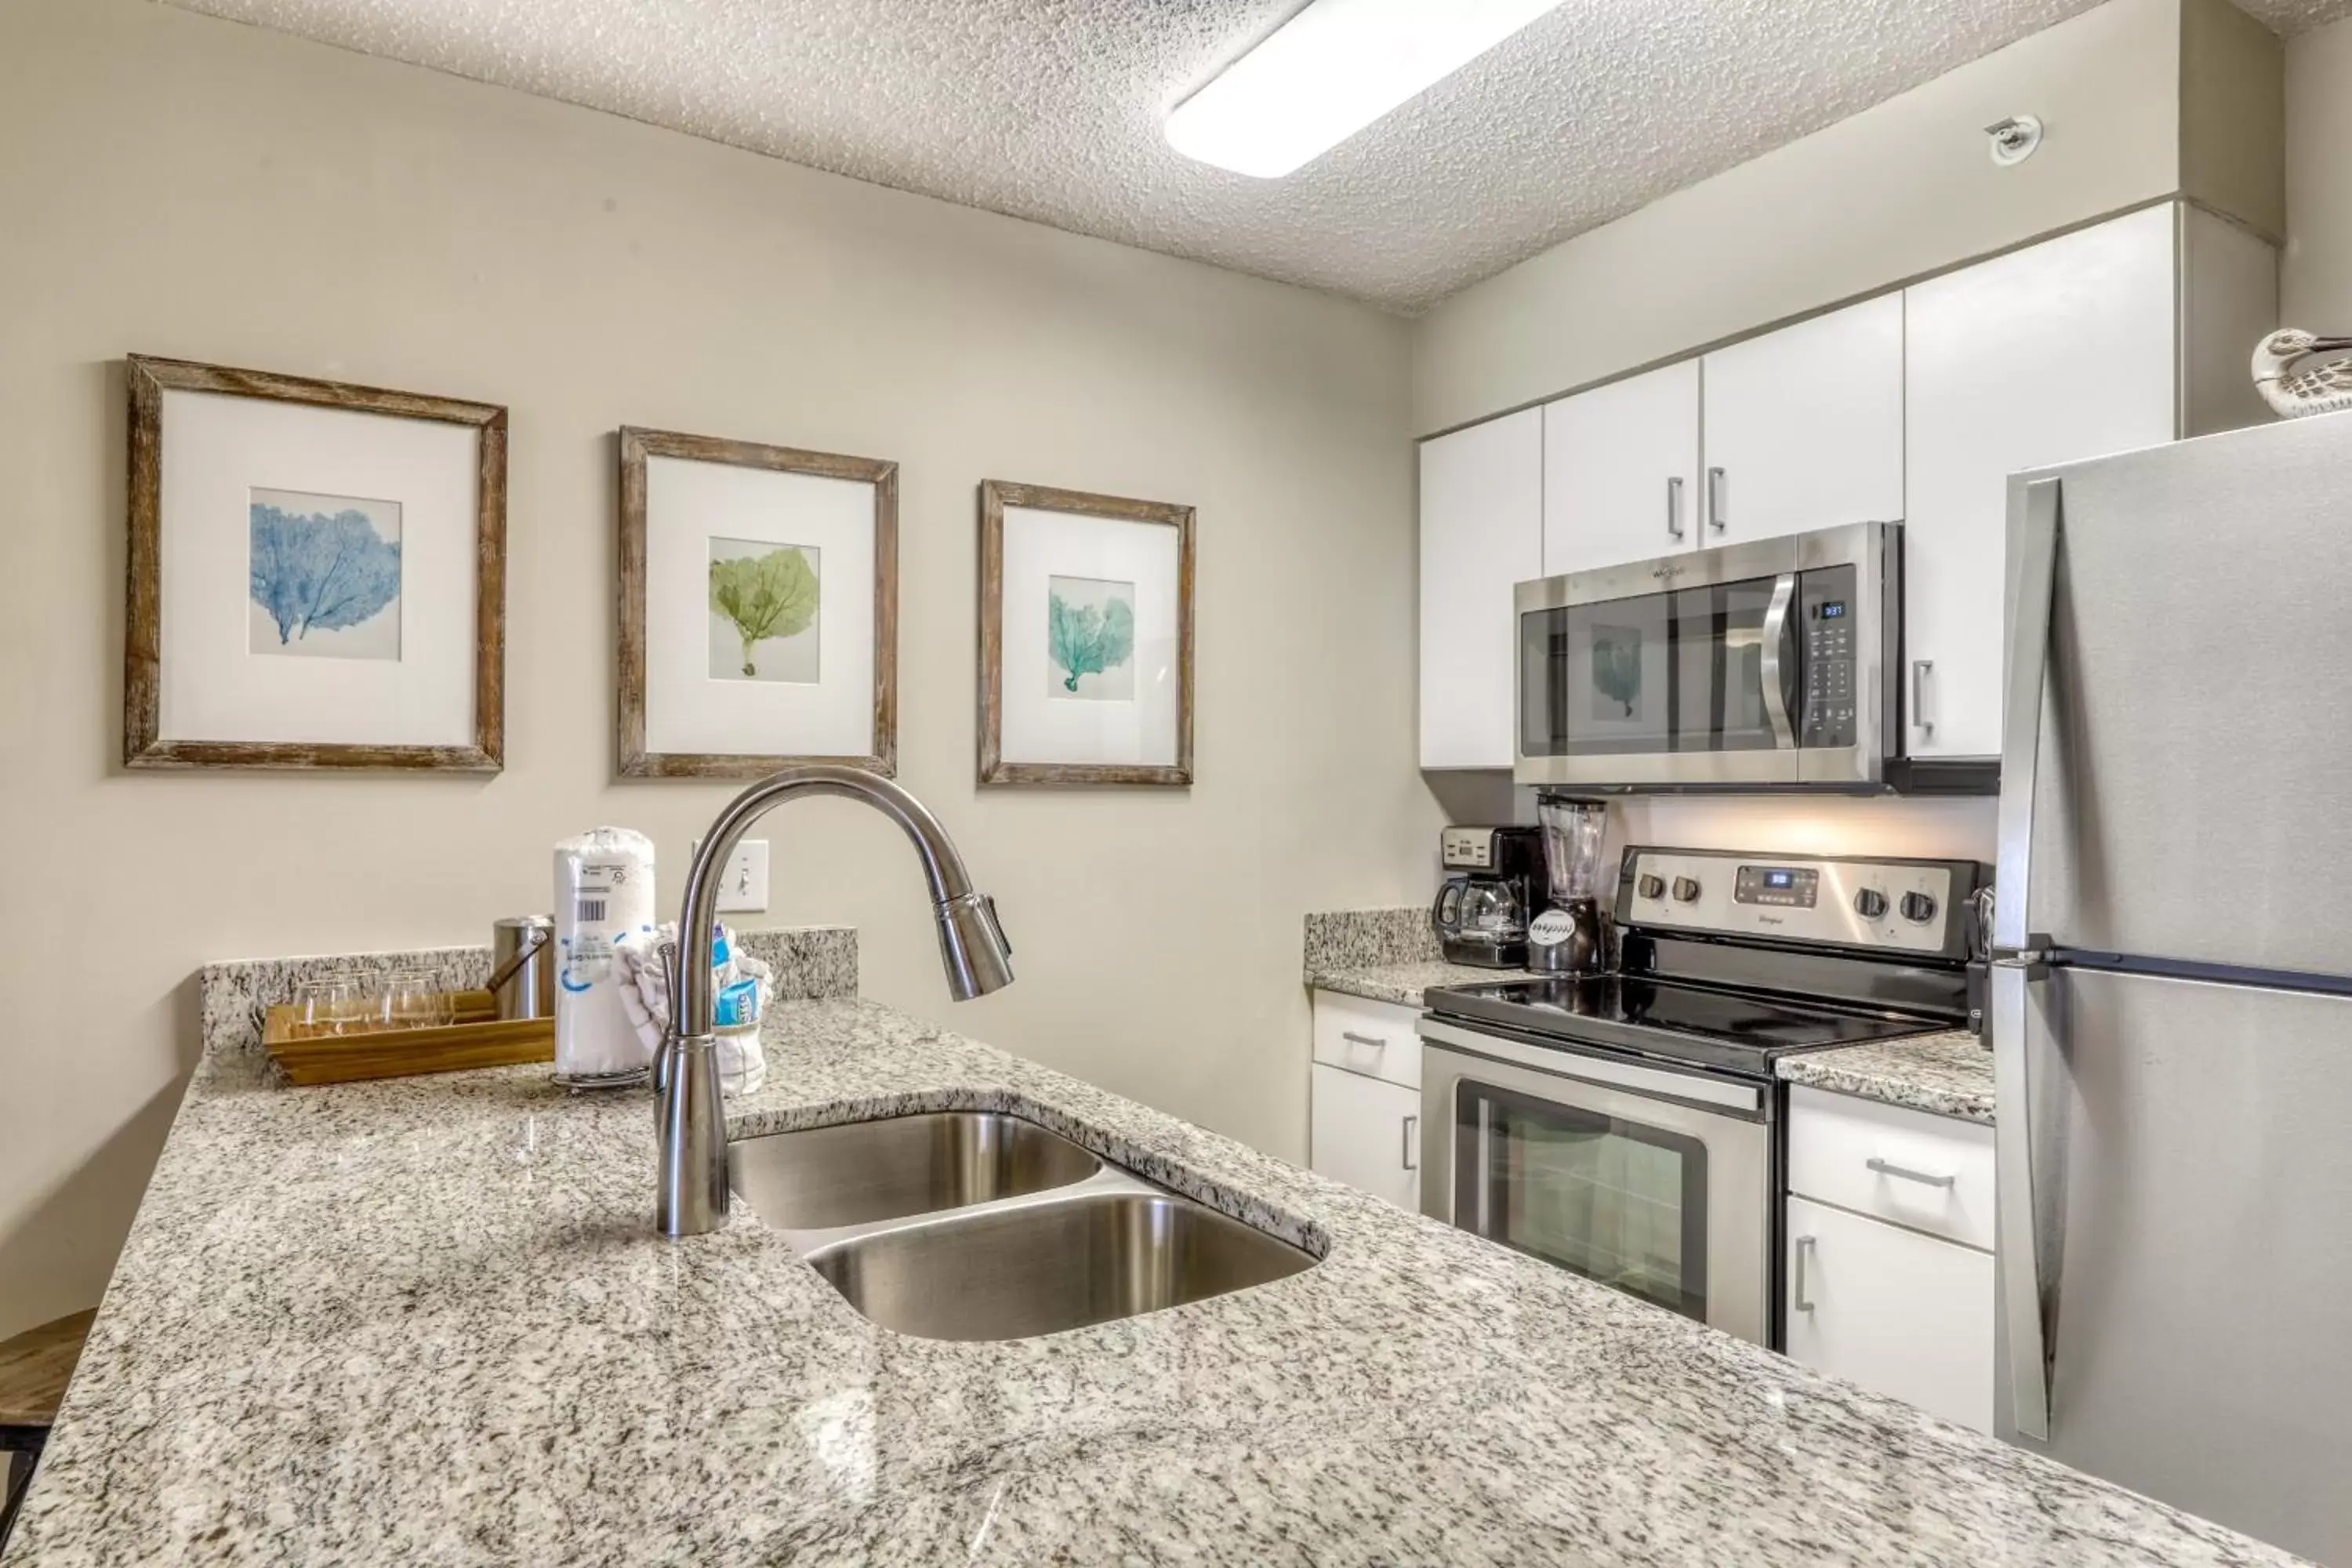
1383 955
427 1319
1390 955
1401 983
1949 1074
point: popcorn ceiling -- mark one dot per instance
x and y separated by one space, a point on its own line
1050 109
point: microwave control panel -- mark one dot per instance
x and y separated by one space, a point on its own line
1825 607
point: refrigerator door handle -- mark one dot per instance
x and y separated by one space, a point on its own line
2020 958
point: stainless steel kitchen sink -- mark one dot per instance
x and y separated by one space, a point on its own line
978 1226
862 1172
1058 1263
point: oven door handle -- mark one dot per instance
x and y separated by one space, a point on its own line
1776 639
1605 1072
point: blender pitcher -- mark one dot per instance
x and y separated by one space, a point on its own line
1574 935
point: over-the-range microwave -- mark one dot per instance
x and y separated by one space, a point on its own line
1761 665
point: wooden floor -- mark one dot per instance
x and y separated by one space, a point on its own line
34 1367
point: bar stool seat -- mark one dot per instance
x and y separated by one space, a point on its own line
34 1367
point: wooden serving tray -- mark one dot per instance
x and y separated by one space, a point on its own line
479 1038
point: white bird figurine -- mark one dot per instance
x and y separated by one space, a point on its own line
2292 391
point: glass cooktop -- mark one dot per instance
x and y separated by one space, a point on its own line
1739 1030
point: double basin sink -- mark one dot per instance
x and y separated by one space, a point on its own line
978 1226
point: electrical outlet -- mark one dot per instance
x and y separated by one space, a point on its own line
744 889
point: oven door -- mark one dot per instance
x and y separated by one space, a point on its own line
1752 665
1653 1181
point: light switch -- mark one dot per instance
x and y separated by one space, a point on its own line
744 889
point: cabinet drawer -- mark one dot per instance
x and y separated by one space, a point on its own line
1367 1133
1898 1313
1932 1173
1378 1039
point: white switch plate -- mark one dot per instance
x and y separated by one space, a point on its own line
744 889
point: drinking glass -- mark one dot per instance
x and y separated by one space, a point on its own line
414 999
330 1004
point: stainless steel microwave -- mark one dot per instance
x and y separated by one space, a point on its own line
1761 665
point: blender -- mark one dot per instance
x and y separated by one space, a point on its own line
1574 935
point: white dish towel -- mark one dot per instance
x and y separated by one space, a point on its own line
645 997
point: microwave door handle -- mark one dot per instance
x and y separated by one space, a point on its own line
1775 639
2020 959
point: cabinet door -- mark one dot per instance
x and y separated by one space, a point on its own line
2059 351
1481 533
1365 1132
1898 1313
1621 471
1803 426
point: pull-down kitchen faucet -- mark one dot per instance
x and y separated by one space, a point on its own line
692 1195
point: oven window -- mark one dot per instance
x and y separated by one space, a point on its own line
1614 1200
1680 671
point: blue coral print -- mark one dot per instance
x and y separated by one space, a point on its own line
325 576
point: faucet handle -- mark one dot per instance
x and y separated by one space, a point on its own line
988 902
663 1052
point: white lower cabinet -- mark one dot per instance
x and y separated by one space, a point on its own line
1899 1312
1366 1131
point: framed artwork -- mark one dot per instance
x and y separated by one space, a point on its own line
317 574
1086 638
759 608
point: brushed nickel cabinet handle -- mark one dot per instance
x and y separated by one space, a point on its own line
1375 1041
1674 509
1900 1173
1798 1298
1919 668
1719 514
1412 1138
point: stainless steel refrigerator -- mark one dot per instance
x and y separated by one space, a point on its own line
2171 995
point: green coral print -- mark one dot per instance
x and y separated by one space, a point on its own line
1616 671
1091 640
763 602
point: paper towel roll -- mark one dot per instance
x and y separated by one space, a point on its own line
603 891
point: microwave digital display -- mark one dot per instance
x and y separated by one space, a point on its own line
1831 610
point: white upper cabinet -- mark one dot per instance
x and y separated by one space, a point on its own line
1621 471
1480 534
2056 352
1803 428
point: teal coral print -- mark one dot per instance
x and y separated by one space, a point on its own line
1091 640
1616 671
764 600
324 574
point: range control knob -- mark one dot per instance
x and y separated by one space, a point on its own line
1651 886
1919 908
1870 903
1687 890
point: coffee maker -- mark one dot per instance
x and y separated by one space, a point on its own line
1495 878
1573 932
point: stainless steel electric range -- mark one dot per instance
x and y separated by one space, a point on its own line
1629 1126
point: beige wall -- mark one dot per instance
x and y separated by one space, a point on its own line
1897 190
2232 115
178 186
2315 278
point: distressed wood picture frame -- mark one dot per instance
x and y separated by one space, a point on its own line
680 555
1086 601
453 687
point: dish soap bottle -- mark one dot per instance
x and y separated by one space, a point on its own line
735 1021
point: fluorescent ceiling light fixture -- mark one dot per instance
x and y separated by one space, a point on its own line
1329 72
